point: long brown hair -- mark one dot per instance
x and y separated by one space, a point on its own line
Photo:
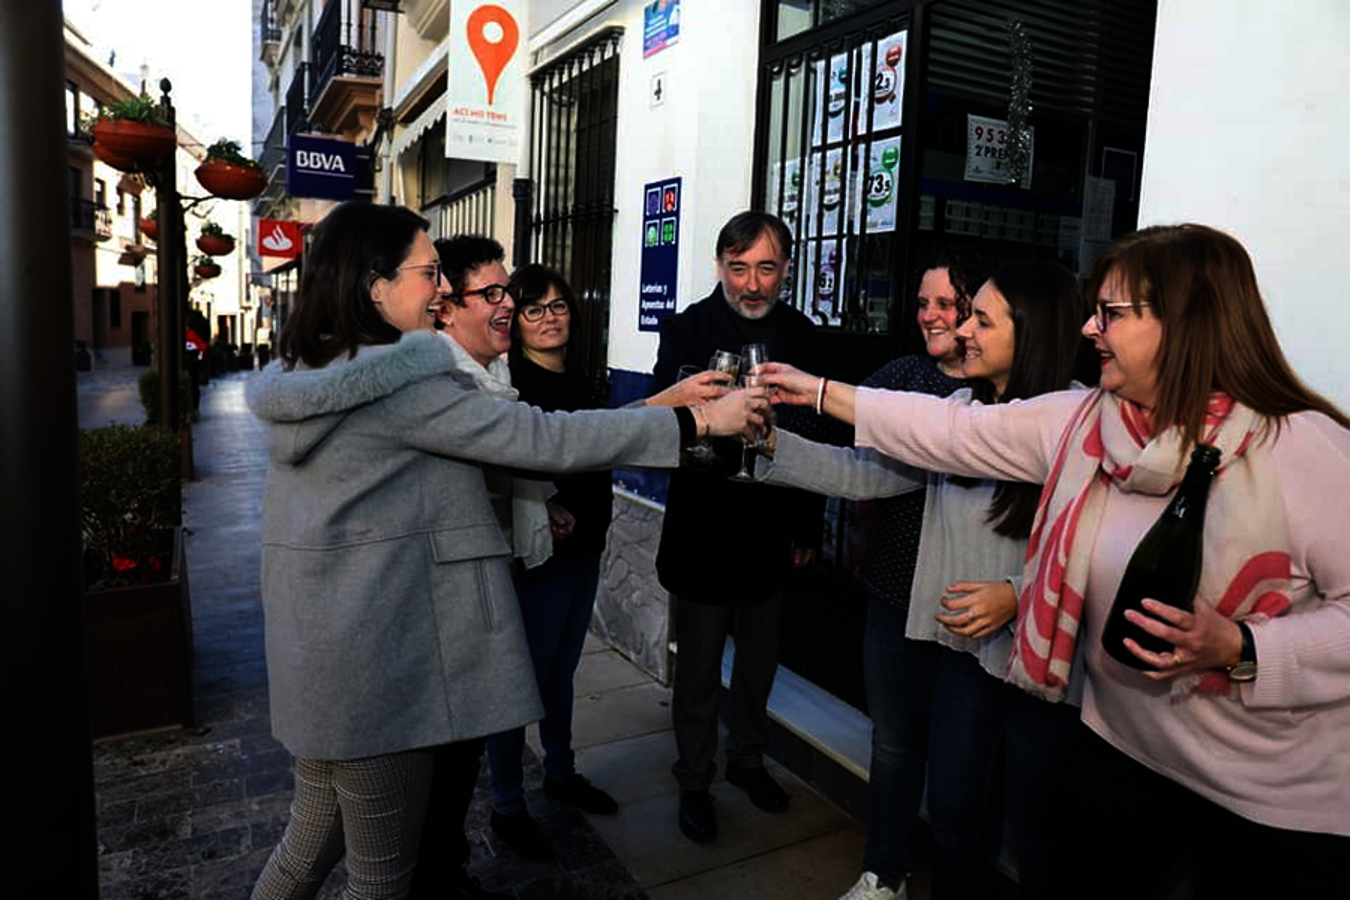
333 312
1216 333
1046 311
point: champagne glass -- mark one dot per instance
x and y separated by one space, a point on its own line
725 361
701 454
752 357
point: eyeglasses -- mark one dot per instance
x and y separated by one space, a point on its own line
535 311
1106 312
492 294
434 267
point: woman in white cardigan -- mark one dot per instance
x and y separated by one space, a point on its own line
1021 340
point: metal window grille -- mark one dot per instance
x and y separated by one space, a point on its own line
575 121
831 156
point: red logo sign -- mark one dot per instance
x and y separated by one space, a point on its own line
278 238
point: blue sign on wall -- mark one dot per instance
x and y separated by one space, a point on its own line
320 167
660 252
660 26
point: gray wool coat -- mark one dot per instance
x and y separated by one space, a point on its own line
391 622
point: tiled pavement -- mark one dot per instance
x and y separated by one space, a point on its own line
194 813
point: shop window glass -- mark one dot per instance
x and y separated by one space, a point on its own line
832 172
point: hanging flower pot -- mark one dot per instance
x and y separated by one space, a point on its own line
205 267
128 139
121 163
150 228
231 182
216 244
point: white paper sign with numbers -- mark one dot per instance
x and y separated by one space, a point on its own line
987 150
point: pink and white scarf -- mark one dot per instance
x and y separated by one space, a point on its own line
1107 447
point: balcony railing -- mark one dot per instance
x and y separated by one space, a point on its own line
297 97
470 210
343 47
267 20
90 217
274 148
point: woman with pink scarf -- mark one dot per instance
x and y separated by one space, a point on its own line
1249 775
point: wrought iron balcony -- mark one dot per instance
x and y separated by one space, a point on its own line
88 218
269 24
297 105
273 156
347 69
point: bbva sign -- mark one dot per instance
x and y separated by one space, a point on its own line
320 167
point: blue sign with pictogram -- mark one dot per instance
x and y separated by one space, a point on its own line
660 252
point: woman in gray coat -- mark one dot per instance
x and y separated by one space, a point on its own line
391 625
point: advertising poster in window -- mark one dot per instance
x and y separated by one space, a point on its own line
785 178
878 181
831 100
822 281
660 252
888 82
826 195
485 100
987 152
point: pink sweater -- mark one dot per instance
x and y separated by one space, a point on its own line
1280 756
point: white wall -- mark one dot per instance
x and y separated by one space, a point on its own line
703 132
1249 121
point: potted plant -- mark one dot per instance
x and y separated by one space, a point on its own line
149 225
205 267
230 175
137 603
128 132
214 241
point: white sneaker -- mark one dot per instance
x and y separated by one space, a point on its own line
868 889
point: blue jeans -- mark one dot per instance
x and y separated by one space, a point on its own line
556 602
935 712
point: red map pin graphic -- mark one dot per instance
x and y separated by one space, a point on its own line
493 36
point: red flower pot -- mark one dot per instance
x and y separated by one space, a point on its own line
231 182
215 245
121 163
150 228
129 139
206 271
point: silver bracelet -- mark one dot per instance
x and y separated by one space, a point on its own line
820 396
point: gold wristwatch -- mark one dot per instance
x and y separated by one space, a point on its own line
1245 668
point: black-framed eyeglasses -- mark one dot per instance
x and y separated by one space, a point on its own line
492 294
1106 308
434 267
535 311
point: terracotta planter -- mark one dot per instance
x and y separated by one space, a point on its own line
139 653
206 271
231 182
128 139
121 163
150 228
215 245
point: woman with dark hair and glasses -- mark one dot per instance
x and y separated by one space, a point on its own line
948 705
1232 745
557 596
392 627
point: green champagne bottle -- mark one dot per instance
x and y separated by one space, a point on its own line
1166 564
